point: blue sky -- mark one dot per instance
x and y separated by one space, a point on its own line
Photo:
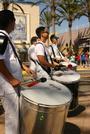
82 22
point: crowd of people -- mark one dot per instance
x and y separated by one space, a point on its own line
81 59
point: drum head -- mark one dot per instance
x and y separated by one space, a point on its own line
68 77
50 93
67 63
58 73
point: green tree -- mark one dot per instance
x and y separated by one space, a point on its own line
46 19
69 10
85 4
51 6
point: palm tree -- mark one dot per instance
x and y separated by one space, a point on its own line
69 10
6 4
51 6
46 19
85 4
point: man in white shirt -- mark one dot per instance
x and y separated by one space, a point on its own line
31 54
55 53
53 48
10 73
43 58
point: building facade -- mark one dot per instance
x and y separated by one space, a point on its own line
26 22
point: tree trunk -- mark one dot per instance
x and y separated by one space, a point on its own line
53 15
70 34
49 32
89 21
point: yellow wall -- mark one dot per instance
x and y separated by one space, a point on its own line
32 13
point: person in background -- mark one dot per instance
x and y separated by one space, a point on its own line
31 54
87 58
10 73
44 61
83 59
23 52
54 50
78 58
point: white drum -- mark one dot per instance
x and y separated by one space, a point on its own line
66 77
44 108
71 80
66 64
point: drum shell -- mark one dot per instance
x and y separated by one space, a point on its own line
74 90
39 118
72 82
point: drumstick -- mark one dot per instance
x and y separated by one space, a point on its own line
30 84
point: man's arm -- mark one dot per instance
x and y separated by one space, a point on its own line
43 61
5 72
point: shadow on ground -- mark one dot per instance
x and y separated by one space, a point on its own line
71 128
77 111
1 110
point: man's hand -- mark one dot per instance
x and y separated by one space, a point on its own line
14 82
33 73
55 63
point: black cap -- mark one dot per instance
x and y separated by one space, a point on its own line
53 36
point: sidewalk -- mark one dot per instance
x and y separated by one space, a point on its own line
84 72
81 68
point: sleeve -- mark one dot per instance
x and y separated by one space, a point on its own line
3 44
39 50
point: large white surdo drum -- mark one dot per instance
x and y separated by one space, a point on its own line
71 80
44 108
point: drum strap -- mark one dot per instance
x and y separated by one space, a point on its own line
53 51
48 69
13 48
36 61
32 60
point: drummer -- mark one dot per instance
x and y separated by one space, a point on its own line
55 53
10 73
31 53
44 61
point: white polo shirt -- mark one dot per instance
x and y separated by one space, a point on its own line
56 51
10 59
41 49
32 56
